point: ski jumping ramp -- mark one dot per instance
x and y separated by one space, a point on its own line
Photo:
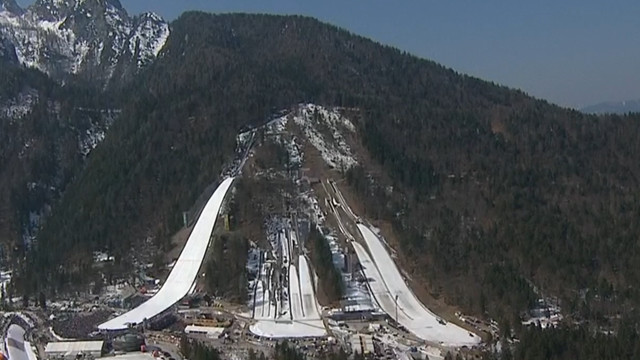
184 272
387 285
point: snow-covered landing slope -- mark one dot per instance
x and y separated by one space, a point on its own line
412 314
309 300
16 344
306 322
295 298
281 330
185 270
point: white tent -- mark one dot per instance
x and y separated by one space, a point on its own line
70 349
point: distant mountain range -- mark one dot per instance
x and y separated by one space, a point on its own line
93 38
620 107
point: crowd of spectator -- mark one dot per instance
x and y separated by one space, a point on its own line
79 325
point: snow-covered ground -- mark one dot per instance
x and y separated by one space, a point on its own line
292 329
31 354
296 296
16 344
278 301
19 106
377 286
90 139
334 209
276 129
265 308
312 208
184 272
387 285
309 300
357 295
306 321
324 128
149 38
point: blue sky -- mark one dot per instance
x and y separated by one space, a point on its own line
573 53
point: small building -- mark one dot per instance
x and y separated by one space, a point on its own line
69 350
212 332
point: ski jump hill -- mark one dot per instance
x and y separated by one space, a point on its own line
184 272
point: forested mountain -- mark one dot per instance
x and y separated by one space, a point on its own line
494 194
46 133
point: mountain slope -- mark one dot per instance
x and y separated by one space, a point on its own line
46 133
621 107
92 37
493 194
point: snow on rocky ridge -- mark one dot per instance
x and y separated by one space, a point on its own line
96 132
71 36
324 128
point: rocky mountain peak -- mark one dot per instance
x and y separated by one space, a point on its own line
55 10
51 10
91 37
11 6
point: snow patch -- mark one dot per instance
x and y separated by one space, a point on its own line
53 42
324 129
19 106
96 133
148 38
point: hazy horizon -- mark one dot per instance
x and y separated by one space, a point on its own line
571 53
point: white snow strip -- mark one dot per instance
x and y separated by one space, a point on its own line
16 345
31 354
283 296
284 246
184 272
294 290
387 283
309 301
264 307
306 322
376 284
